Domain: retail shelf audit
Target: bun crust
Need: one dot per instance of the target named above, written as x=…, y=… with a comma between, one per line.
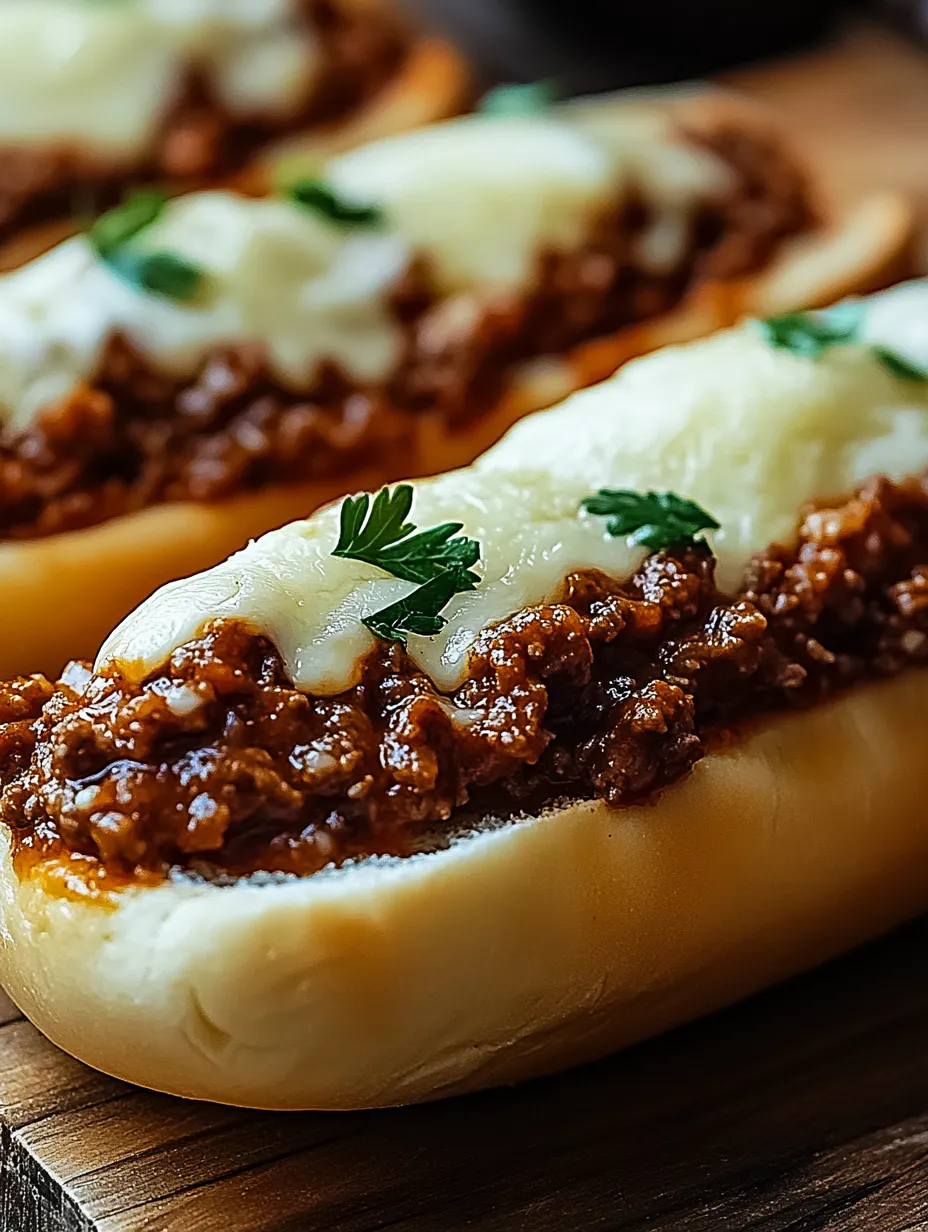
x=516, y=951
x=64, y=593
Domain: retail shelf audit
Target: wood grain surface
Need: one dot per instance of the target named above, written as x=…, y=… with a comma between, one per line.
x=803, y=1110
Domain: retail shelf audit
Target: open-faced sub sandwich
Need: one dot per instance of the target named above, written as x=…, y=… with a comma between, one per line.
x=497, y=772
x=195, y=371
x=98, y=94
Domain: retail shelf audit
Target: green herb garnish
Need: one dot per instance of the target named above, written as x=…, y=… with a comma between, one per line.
x=419, y=612
x=810, y=334
x=377, y=533
x=158, y=273
x=322, y=199
x=654, y=519
x=528, y=99
x=899, y=366
x=114, y=229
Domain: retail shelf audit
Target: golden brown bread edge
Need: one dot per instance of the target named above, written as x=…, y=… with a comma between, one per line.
x=63, y=594
x=433, y=84
x=517, y=951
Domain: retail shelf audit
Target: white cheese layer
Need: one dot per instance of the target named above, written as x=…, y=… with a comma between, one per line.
x=481, y=196
x=276, y=275
x=102, y=73
x=750, y=432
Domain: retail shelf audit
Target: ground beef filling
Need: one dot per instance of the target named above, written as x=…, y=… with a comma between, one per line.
x=134, y=437
x=216, y=763
x=198, y=141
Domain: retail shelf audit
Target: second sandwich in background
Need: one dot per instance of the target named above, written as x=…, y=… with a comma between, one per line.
x=193, y=372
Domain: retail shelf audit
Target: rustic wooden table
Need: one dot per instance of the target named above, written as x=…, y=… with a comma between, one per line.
x=803, y=1110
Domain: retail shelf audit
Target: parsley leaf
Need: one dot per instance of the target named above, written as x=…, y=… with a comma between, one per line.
x=528, y=99
x=158, y=273
x=377, y=533
x=654, y=519
x=322, y=199
x=899, y=366
x=810, y=334
x=114, y=229
x=419, y=612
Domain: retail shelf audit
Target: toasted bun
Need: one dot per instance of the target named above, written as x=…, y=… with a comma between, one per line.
x=432, y=85
x=518, y=950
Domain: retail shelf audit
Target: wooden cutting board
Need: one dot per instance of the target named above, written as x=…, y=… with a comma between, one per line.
x=803, y=1110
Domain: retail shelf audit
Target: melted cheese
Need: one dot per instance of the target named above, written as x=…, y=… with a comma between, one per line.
x=276, y=275
x=101, y=73
x=481, y=195
x=748, y=431
x=648, y=154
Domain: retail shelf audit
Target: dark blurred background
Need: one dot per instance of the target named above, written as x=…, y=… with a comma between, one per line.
x=598, y=44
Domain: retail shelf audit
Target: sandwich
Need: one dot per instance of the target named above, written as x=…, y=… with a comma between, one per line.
x=479, y=777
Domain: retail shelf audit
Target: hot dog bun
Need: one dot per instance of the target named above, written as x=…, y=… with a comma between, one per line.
x=507, y=948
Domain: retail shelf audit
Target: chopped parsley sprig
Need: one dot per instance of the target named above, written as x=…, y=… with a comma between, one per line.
x=654, y=519
x=525, y=99
x=114, y=229
x=419, y=612
x=158, y=273
x=377, y=533
x=811, y=334
x=898, y=365
x=322, y=199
